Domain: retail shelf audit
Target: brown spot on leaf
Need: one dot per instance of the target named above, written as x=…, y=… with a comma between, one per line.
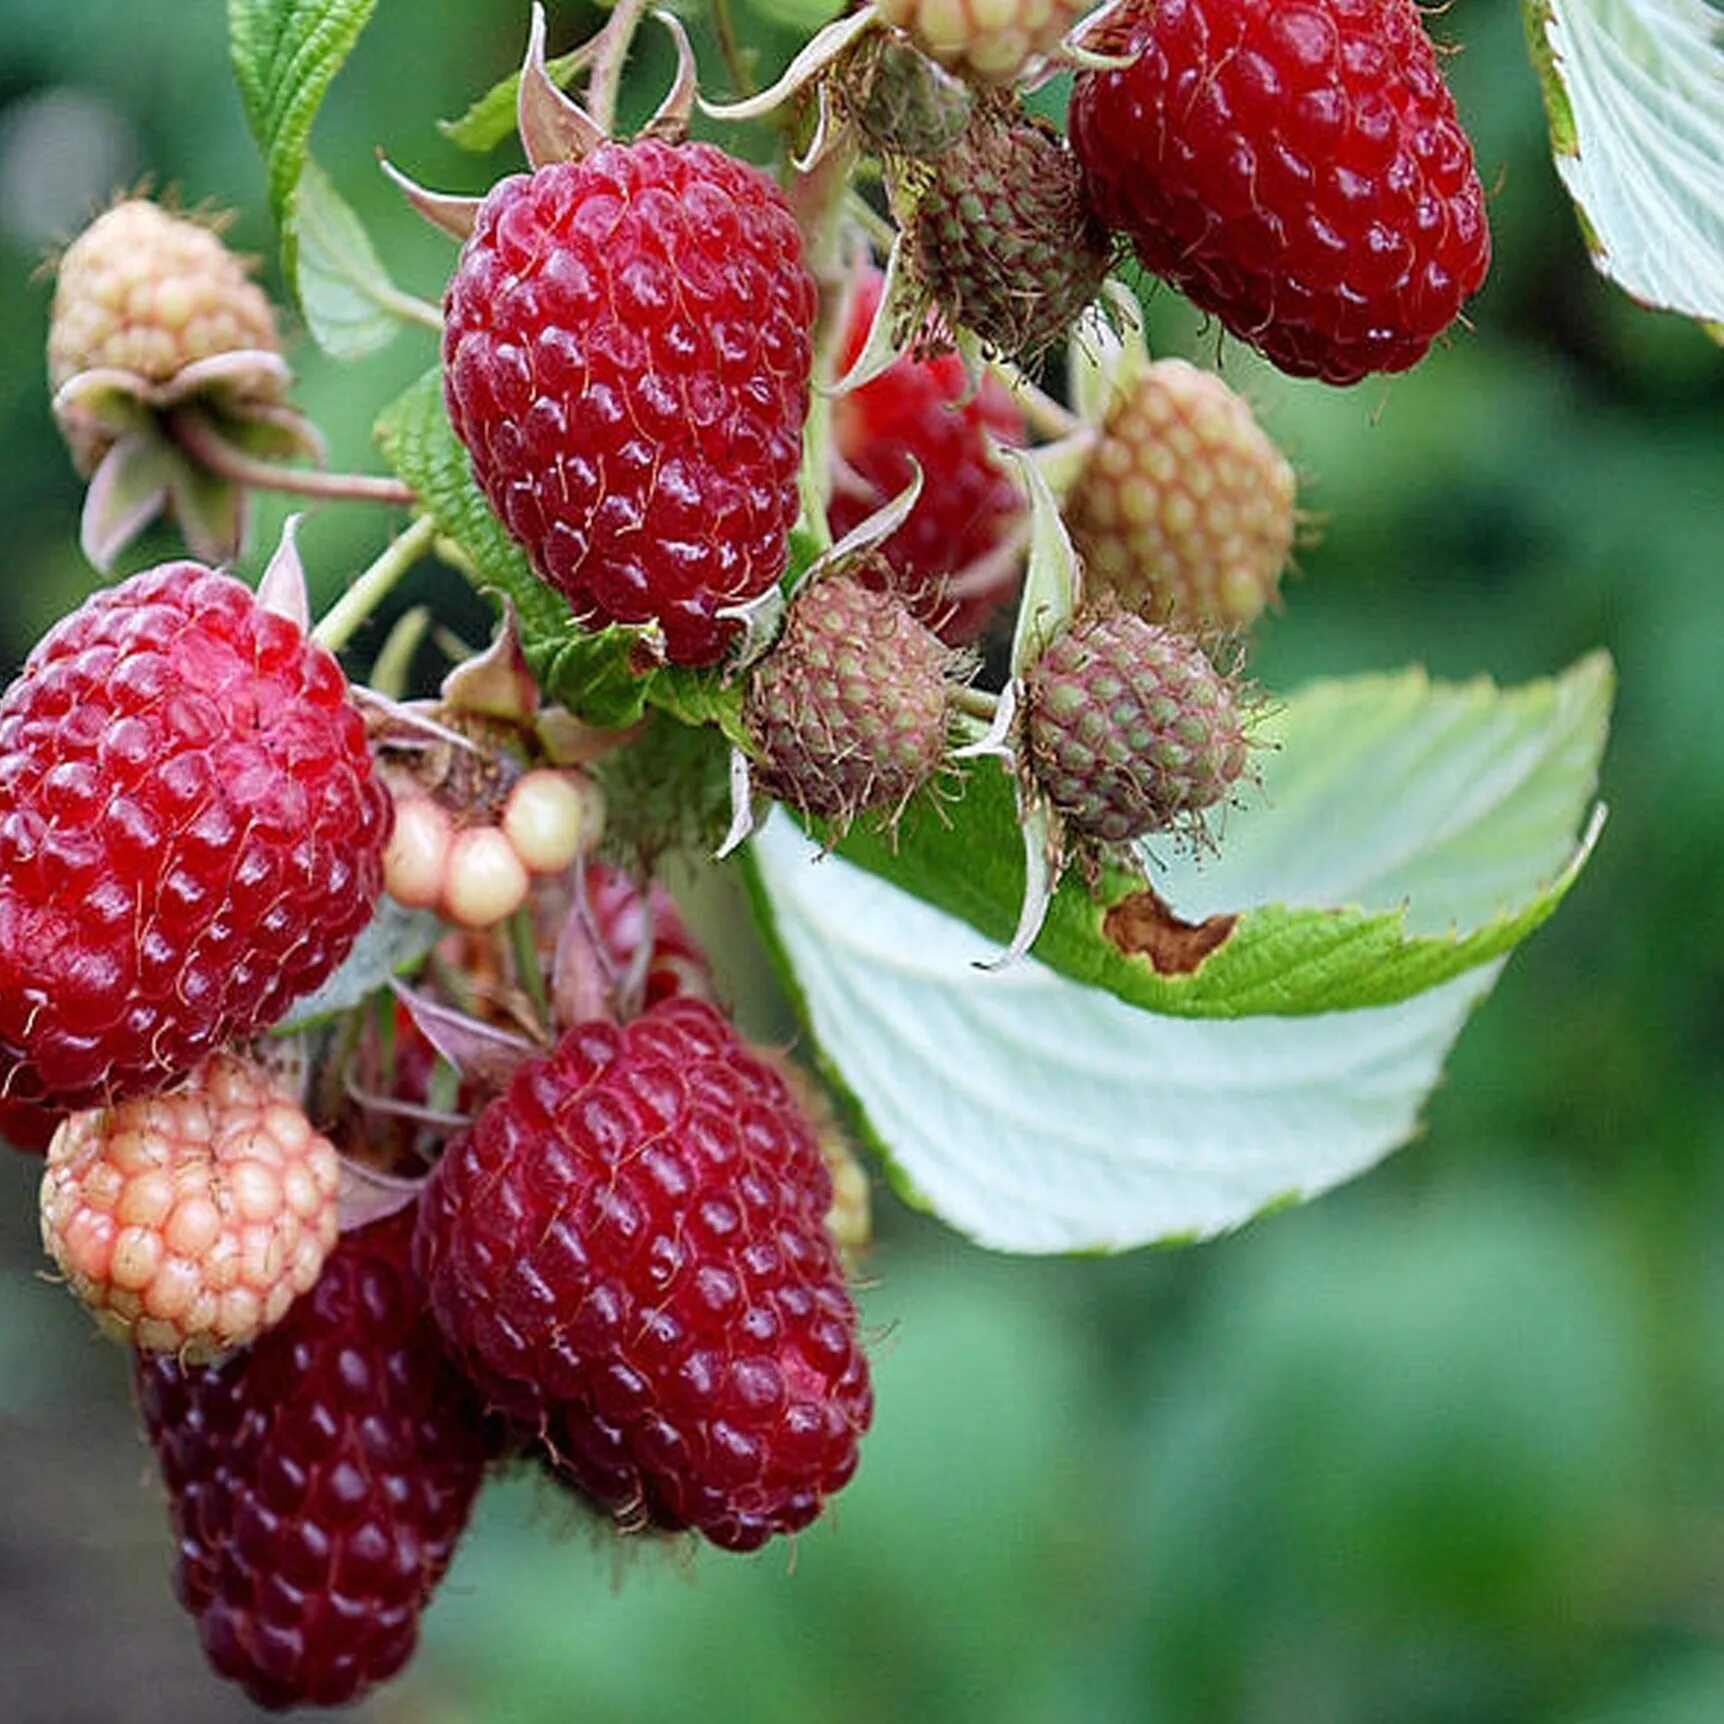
x=1143, y=926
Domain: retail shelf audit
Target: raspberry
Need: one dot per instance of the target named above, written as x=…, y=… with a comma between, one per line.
x=1002, y=235
x=317, y=1481
x=952, y=558
x=985, y=40
x=627, y=1254
x=1184, y=508
x=849, y=709
x=191, y=836
x=149, y=293
x=1131, y=729
x=189, y=1222
x=627, y=350
x=1296, y=168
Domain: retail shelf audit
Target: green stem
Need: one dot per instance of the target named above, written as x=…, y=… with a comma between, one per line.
x=976, y=702
x=214, y=453
x=524, y=945
x=344, y=617
x=409, y=308
x=612, y=49
x=730, y=47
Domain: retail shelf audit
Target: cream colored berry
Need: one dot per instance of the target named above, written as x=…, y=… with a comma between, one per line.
x=485, y=882
x=417, y=857
x=1185, y=509
x=190, y=1221
x=148, y=292
x=551, y=818
x=986, y=41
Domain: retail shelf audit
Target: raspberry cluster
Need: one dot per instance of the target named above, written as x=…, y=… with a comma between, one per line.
x=379, y=1201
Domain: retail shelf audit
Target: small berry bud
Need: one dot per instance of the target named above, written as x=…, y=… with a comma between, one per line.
x=849, y=710
x=1131, y=729
x=486, y=882
x=550, y=819
x=417, y=859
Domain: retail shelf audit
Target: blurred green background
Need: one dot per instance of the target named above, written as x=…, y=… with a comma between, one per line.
x=1448, y=1445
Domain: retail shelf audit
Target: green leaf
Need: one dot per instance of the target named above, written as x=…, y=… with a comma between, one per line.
x=1037, y=1115
x=394, y=940
x=1403, y=833
x=1634, y=90
x=285, y=54
x=420, y=444
x=351, y=306
x=701, y=697
x=492, y=118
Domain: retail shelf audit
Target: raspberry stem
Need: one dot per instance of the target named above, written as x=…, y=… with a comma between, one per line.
x=1041, y=411
x=612, y=46
x=730, y=48
x=529, y=968
x=977, y=702
x=213, y=452
x=344, y=617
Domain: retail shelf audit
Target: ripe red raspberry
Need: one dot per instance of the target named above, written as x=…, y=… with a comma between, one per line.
x=627, y=349
x=953, y=567
x=1295, y=167
x=627, y=1254
x=318, y=1480
x=27, y=1127
x=191, y=836
x=189, y=1222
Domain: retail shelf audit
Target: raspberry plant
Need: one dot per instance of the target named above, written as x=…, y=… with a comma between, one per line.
x=743, y=435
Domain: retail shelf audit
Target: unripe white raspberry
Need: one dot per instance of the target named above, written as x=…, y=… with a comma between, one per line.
x=1184, y=509
x=986, y=41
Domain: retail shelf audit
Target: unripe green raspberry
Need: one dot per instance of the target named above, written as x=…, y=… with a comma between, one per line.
x=986, y=41
x=149, y=293
x=1131, y=729
x=189, y=1222
x=1002, y=236
x=849, y=710
x=1184, y=509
